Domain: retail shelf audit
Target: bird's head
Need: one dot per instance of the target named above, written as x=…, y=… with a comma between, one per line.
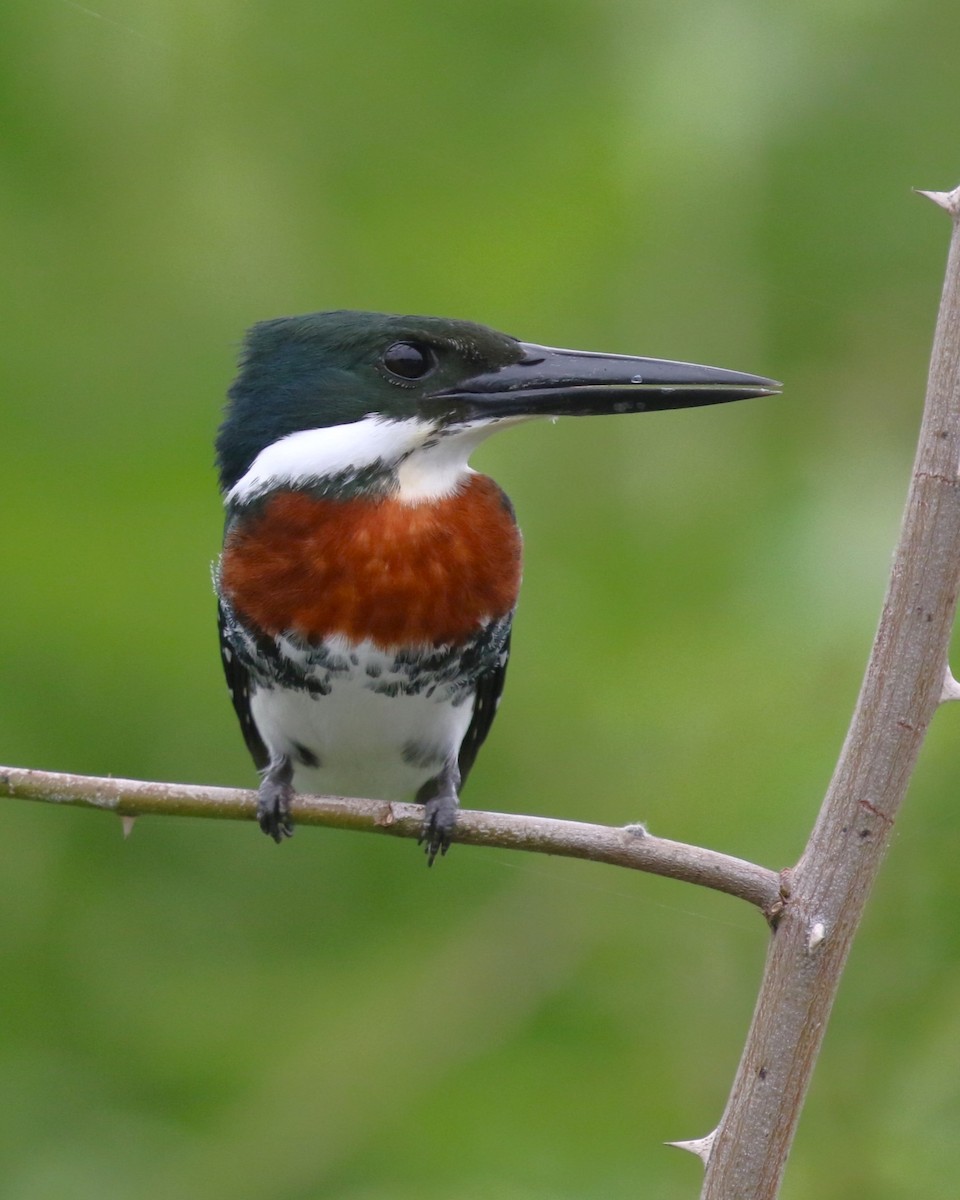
x=356, y=402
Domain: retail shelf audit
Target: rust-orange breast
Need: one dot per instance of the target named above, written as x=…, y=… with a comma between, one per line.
x=377, y=569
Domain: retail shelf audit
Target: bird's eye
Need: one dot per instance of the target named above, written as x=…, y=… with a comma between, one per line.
x=409, y=360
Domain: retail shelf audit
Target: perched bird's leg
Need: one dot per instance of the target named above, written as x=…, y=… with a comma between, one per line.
x=440, y=798
x=273, y=799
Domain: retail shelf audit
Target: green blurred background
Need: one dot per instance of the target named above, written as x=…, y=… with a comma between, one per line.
x=198, y=1013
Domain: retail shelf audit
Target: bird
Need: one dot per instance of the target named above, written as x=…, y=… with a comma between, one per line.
x=368, y=577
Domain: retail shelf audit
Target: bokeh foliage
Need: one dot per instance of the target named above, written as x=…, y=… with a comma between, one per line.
x=197, y=1013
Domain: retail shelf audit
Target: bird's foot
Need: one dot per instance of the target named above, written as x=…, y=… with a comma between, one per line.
x=439, y=819
x=273, y=801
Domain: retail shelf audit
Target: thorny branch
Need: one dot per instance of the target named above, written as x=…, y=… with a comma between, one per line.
x=907, y=677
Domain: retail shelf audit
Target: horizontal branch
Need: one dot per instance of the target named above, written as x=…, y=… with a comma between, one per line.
x=627, y=846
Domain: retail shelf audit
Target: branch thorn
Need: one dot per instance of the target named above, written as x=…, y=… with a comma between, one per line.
x=948, y=201
x=701, y=1147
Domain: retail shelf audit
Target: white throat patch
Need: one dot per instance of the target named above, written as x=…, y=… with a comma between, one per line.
x=428, y=463
x=316, y=454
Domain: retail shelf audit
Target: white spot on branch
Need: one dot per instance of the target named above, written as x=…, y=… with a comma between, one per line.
x=951, y=689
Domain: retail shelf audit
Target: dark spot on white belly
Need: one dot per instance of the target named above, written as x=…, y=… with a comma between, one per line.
x=421, y=754
x=305, y=755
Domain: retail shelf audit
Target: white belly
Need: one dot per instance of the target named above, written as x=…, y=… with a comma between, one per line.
x=366, y=743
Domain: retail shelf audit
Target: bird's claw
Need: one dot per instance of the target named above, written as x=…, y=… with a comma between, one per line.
x=439, y=818
x=273, y=809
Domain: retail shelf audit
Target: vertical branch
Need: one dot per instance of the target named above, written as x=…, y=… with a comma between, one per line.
x=906, y=678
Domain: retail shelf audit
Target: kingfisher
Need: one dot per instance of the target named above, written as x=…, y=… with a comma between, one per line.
x=369, y=576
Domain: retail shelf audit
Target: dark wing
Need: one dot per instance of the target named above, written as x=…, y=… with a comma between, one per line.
x=238, y=681
x=489, y=690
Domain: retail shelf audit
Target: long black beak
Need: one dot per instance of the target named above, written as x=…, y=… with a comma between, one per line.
x=573, y=383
